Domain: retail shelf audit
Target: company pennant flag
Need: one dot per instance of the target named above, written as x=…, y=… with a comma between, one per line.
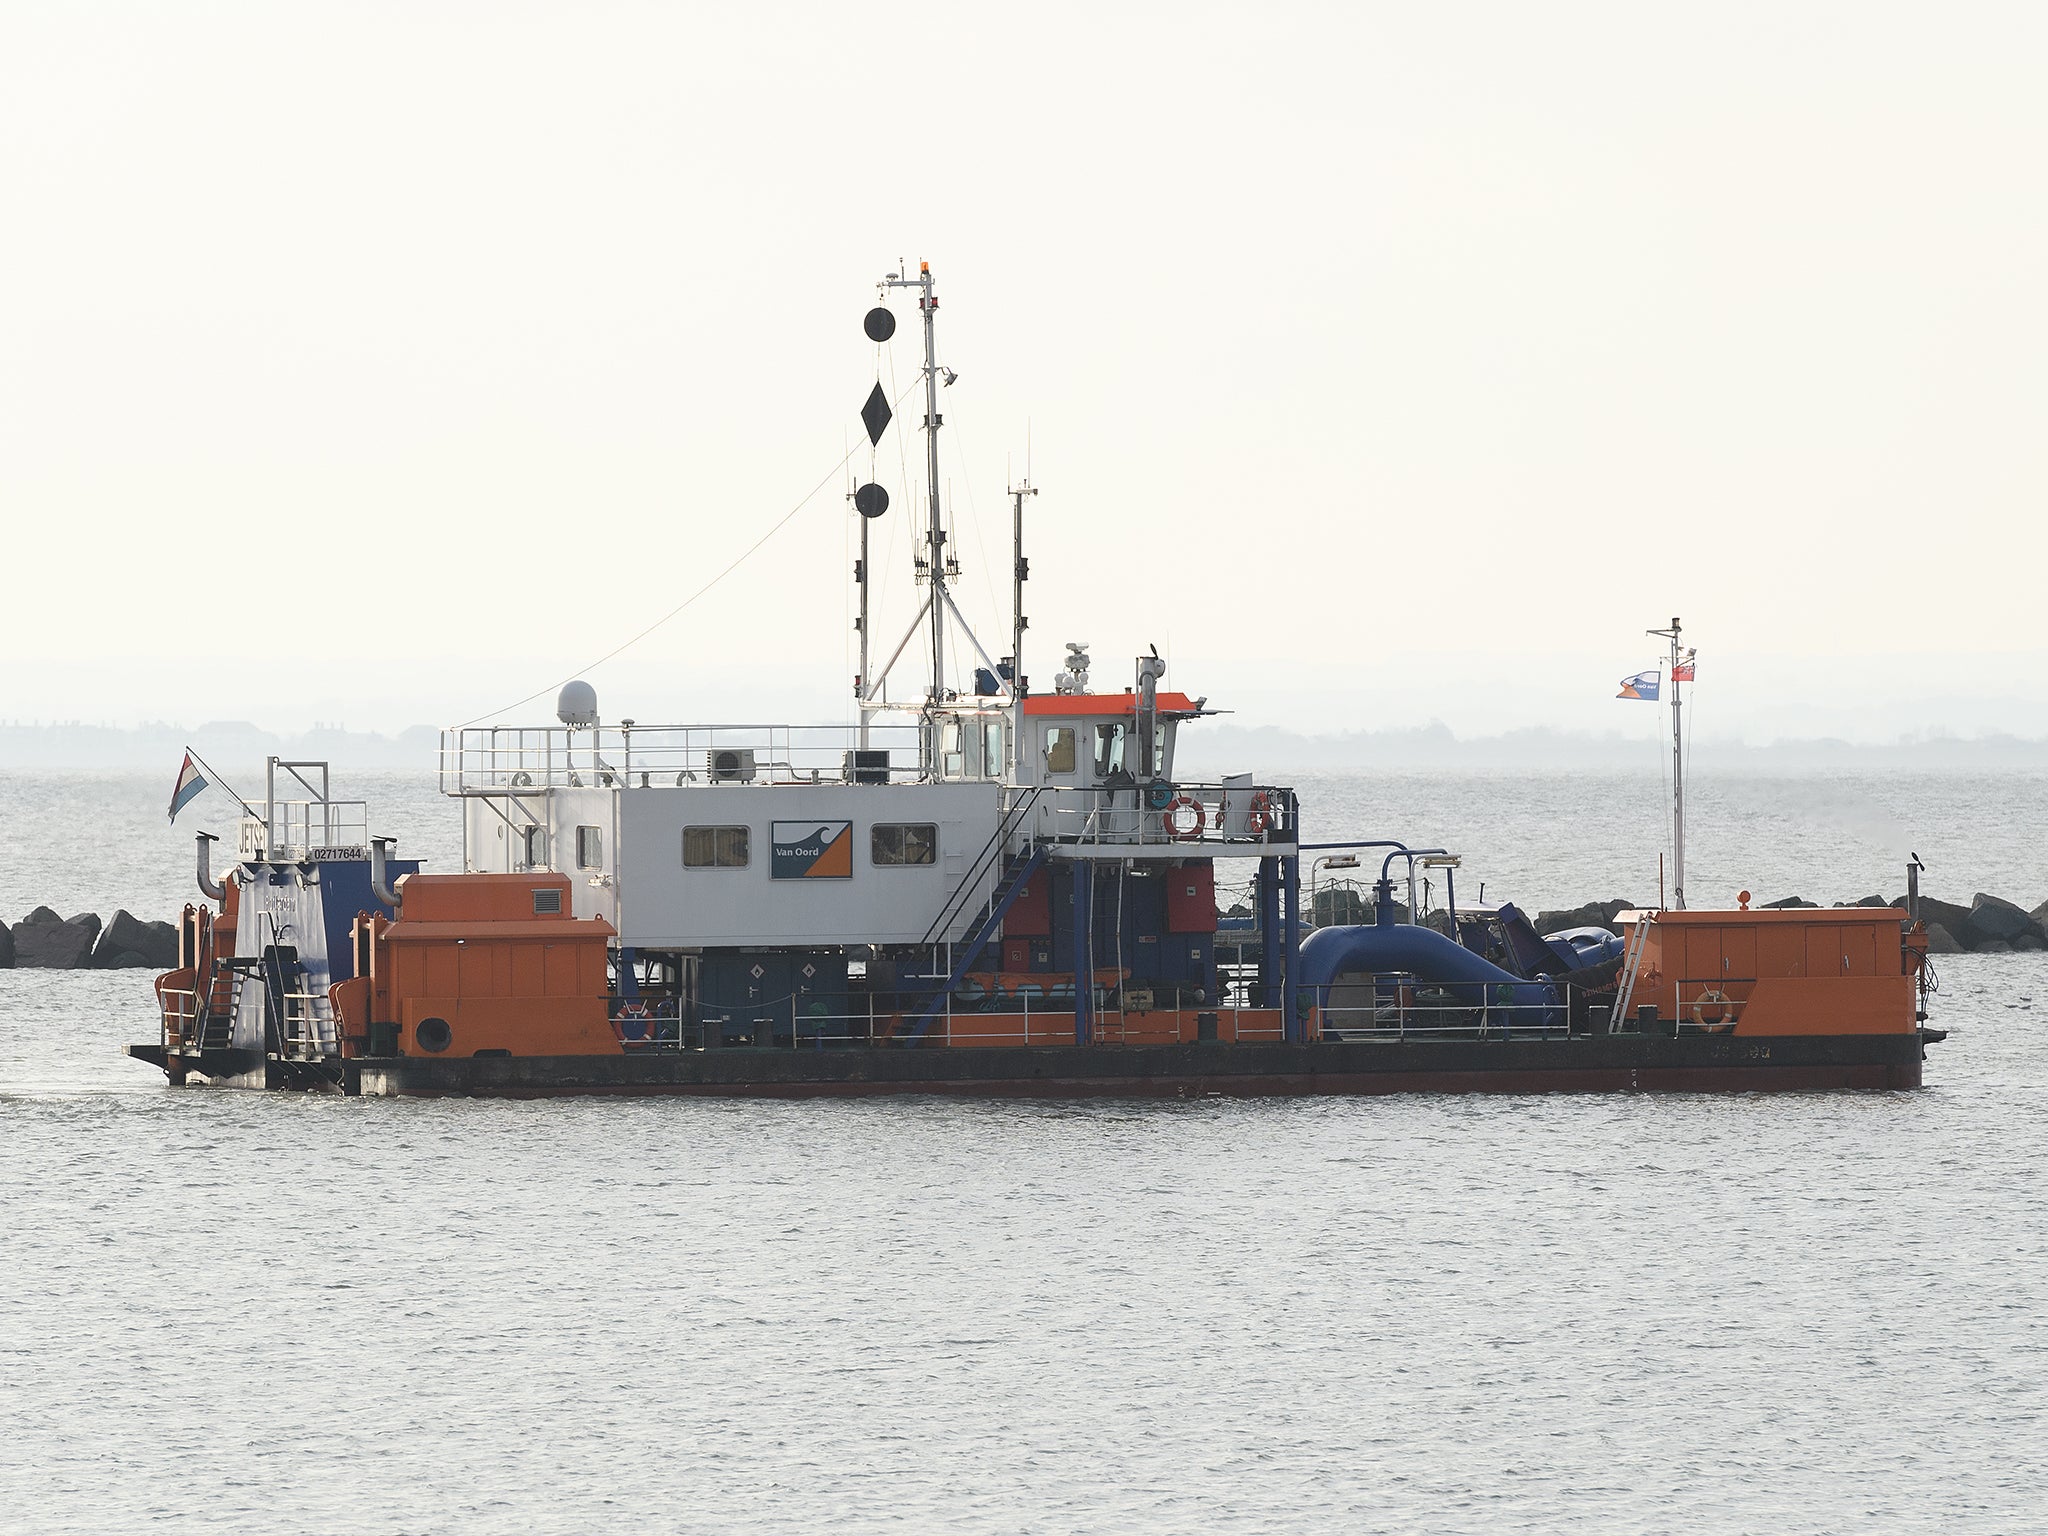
x=190, y=782
x=1682, y=673
x=1642, y=686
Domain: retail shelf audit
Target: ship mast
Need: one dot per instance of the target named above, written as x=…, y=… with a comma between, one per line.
x=935, y=568
x=935, y=533
x=1677, y=770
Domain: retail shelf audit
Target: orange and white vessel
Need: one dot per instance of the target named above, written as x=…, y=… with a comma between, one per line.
x=972, y=887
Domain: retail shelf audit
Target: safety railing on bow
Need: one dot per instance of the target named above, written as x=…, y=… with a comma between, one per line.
x=182, y=1017
x=307, y=1026
x=307, y=828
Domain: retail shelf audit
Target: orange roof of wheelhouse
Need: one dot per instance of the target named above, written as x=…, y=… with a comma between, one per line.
x=1104, y=704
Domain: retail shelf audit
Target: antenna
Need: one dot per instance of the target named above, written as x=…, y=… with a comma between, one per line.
x=1020, y=572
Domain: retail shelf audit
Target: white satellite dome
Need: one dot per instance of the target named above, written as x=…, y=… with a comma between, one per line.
x=577, y=704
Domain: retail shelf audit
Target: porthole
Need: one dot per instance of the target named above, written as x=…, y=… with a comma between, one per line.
x=433, y=1035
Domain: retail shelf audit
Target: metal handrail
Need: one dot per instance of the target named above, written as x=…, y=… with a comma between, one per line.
x=672, y=1031
x=180, y=1023
x=340, y=824
x=1729, y=1008
x=992, y=852
x=1097, y=821
x=496, y=759
x=307, y=1014
x=1486, y=1020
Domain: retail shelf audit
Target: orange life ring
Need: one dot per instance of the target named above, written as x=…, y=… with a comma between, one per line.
x=1722, y=1005
x=638, y=1013
x=1170, y=818
x=1260, y=816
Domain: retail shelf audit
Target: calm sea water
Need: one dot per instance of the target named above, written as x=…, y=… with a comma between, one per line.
x=1812, y=1313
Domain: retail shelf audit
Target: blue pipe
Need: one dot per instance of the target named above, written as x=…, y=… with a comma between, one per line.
x=1328, y=953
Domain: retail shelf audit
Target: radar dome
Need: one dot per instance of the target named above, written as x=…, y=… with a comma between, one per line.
x=577, y=705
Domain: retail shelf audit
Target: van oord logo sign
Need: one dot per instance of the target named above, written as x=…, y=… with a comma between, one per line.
x=811, y=850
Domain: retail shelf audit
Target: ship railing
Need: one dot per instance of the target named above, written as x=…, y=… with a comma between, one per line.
x=1028, y=1016
x=1397, y=1011
x=306, y=829
x=1248, y=817
x=1711, y=1004
x=181, y=1016
x=307, y=1026
x=508, y=759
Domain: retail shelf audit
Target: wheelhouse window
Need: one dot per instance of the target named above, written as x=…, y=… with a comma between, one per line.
x=1109, y=749
x=1059, y=749
x=589, y=848
x=716, y=847
x=914, y=842
x=535, y=840
x=992, y=749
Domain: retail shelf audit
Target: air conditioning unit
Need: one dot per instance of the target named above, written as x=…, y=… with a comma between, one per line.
x=867, y=765
x=730, y=765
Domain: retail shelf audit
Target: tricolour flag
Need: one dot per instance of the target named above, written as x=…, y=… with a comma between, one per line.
x=1642, y=686
x=190, y=782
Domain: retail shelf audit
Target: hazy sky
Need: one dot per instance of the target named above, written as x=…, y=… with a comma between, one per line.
x=1381, y=363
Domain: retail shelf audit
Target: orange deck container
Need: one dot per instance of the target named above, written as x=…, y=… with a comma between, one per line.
x=1790, y=971
x=481, y=965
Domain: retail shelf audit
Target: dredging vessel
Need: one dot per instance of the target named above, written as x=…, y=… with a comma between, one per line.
x=1001, y=892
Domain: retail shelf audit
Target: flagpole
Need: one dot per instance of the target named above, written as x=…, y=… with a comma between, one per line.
x=221, y=779
x=1677, y=772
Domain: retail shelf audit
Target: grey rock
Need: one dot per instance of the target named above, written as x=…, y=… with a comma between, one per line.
x=1787, y=903
x=1339, y=906
x=1941, y=942
x=2029, y=942
x=127, y=960
x=65, y=945
x=2040, y=915
x=40, y=916
x=1872, y=901
x=1952, y=917
x=1594, y=914
x=1993, y=917
x=156, y=943
x=6, y=948
x=1993, y=947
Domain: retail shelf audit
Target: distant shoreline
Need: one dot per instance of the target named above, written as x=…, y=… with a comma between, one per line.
x=1208, y=748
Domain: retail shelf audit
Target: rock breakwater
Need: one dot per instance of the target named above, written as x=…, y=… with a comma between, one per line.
x=46, y=940
x=1988, y=925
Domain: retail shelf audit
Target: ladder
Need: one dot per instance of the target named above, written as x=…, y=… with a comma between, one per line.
x=1631, y=966
x=217, y=1030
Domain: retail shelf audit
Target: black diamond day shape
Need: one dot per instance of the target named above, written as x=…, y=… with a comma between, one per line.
x=875, y=415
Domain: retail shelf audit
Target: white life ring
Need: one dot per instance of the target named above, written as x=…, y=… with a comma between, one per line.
x=1184, y=818
x=1722, y=1005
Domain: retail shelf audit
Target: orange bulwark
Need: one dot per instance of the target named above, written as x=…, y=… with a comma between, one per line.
x=1788, y=971
x=479, y=965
